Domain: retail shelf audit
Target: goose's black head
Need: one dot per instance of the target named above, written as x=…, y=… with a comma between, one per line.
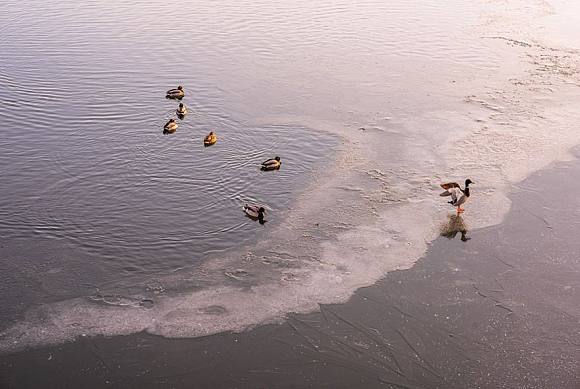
x=467, y=182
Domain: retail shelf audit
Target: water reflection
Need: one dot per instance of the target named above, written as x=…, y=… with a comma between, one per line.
x=455, y=225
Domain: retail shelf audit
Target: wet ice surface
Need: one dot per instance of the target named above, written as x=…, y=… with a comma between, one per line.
x=496, y=309
x=424, y=93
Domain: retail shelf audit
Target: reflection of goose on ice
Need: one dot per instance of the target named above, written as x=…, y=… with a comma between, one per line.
x=455, y=225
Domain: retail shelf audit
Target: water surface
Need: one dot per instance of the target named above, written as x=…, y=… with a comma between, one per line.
x=109, y=226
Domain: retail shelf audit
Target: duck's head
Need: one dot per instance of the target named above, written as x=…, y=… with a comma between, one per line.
x=211, y=133
x=262, y=211
x=277, y=158
x=180, y=87
x=180, y=105
x=467, y=182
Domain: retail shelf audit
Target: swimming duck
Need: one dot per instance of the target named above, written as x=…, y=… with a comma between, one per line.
x=255, y=211
x=175, y=93
x=210, y=139
x=170, y=126
x=458, y=196
x=271, y=164
x=181, y=110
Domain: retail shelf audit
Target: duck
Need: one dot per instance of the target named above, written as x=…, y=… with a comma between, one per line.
x=271, y=164
x=210, y=139
x=170, y=126
x=255, y=211
x=458, y=196
x=181, y=110
x=177, y=93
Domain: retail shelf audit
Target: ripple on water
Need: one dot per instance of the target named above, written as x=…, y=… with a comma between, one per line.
x=142, y=200
x=82, y=102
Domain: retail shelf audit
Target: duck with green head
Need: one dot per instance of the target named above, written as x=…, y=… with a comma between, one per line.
x=458, y=196
x=271, y=164
x=170, y=126
x=181, y=110
x=255, y=212
x=176, y=93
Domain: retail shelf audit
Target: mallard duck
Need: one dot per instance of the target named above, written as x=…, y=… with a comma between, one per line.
x=176, y=93
x=271, y=164
x=210, y=139
x=255, y=211
x=458, y=195
x=170, y=126
x=181, y=110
